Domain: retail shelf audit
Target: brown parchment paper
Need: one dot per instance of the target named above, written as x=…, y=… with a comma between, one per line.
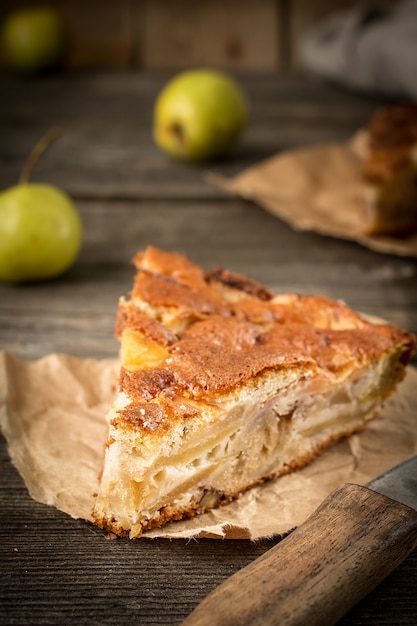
x=52, y=414
x=316, y=188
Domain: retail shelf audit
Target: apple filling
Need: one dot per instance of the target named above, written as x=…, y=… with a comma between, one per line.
x=250, y=438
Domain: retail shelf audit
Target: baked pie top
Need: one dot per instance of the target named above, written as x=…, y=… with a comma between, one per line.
x=188, y=336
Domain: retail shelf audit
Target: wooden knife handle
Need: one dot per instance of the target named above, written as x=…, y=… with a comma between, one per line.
x=321, y=570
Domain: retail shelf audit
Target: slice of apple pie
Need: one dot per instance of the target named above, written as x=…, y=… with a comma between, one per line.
x=390, y=171
x=224, y=385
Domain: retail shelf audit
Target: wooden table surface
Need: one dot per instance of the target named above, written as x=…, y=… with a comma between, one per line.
x=55, y=569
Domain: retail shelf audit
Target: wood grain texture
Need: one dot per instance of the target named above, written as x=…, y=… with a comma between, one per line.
x=75, y=314
x=106, y=149
x=59, y=570
x=233, y=34
x=101, y=33
x=322, y=569
x=156, y=34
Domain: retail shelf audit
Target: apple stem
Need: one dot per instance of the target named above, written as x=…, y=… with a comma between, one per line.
x=37, y=152
x=178, y=132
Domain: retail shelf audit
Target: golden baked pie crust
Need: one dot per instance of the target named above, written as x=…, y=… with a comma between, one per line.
x=224, y=385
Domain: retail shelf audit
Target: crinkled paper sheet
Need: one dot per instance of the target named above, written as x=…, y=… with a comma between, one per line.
x=52, y=414
x=316, y=188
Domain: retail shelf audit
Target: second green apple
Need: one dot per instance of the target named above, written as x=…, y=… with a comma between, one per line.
x=200, y=115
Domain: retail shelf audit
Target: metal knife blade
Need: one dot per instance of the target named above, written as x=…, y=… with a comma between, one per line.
x=398, y=483
x=314, y=576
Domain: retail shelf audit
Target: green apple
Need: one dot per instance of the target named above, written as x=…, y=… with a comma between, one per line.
x=40, y=232
x=33, y=39
x=40, y=228
x=200, y=114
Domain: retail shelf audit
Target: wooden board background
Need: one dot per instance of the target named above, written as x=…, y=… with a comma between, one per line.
x=57, y=570
x=169, y=34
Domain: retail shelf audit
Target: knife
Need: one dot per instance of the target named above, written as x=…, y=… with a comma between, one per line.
x=314, y=576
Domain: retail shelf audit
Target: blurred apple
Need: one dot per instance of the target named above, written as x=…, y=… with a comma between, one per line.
x=33, y=39
x=200, y=114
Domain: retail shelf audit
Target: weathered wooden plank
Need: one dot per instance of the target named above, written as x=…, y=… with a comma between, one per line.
x=149, y=34
x=233, y=34
x=76, y=313
x=107, y=150
x=101, y=34
x=155, y=34
x=108, y=96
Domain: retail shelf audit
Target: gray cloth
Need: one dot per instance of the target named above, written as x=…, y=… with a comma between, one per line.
x=371, y=48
